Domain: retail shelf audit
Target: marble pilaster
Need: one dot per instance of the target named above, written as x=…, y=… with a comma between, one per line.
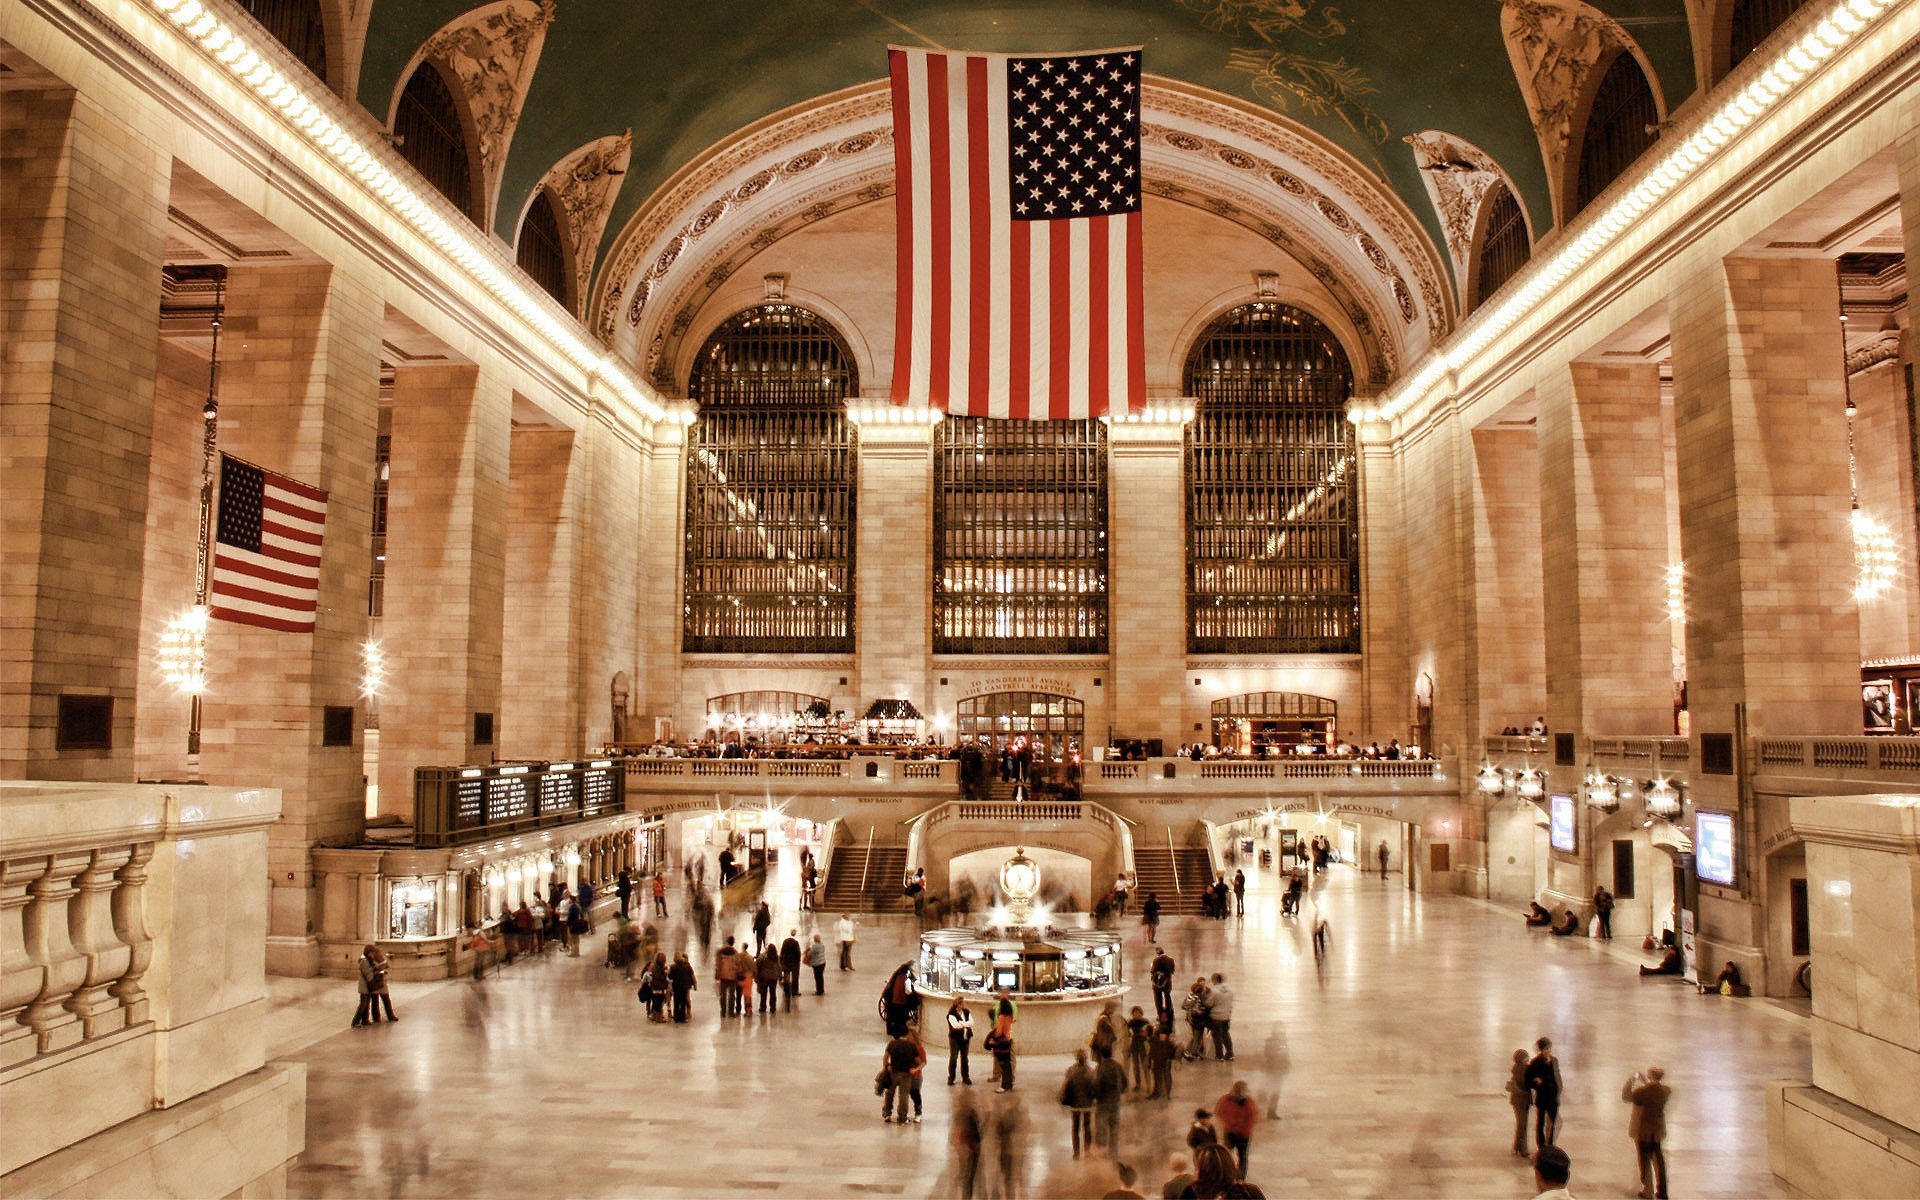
x=83, y=204
x=446, y=546
x=894, y=566
x=299, y=394
x=1147, y=585
x=541, y=694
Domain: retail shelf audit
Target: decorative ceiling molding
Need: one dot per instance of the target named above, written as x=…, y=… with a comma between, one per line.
x=1458, y=175
x=492, y=52
x=584, y=186
x=808, y=163
x=1554, y=46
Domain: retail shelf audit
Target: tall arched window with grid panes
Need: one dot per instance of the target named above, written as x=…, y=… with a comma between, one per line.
x=1020, y=537
x=1273, y=561
x=1623, y=121
x=428, y=134
x=771, y=482
x=298, y=25
x=542, y=252
x=1505, y=247
x=1752, y=21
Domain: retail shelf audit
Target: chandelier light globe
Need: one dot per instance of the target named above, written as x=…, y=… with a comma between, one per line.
x=1663, y=799
x=183, y=651
x=1532, y=785
x=373, y=669
x=1490, y=780
x=1875, y=556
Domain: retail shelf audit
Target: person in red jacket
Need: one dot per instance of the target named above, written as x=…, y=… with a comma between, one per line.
x=1236, y=1114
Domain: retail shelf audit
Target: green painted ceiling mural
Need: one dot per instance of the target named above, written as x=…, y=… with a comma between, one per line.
x=686, y=73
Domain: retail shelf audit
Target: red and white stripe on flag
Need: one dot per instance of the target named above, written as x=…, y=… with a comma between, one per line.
x=1001, y=314
x=266, y=563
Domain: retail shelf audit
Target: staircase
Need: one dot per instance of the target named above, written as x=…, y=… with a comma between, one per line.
x=883, y=877
x=1154, y=867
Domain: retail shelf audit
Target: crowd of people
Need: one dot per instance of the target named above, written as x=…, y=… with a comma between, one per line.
x=1130, y=1056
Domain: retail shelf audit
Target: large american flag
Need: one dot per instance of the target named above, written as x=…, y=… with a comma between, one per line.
x=266, y=562
x=1018, y=202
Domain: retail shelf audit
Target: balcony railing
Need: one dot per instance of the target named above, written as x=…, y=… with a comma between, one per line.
x=100, y=965
x=1872, y=755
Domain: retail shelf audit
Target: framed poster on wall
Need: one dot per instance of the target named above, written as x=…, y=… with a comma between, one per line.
x=1877, y=705
x=1913, y=704
x=1713, y=847
x=1560, y=824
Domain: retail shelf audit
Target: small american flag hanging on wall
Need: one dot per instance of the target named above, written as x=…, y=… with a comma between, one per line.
x=266, y=563
x=1018, y=203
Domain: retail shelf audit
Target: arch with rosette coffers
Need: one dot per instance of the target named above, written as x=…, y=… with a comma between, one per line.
x=1247, y=164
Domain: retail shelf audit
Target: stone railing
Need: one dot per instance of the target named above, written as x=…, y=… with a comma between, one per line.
x=1120, y=770
x=1670, y=752
x=1016, y=813
x=1847, y=756
x=119, y=995
x=1498, y=746
x=1314, y=768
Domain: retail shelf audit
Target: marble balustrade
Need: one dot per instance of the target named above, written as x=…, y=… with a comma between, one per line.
x=132, y=962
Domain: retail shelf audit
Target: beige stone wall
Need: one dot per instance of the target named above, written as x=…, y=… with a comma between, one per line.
x=298, y=394
x=172, y=537
x=610, y=580
x=446, y=545
x=657, y=614
x=1603, y=520
x=1760, y=417
x=893, y=565
x=1883, y=441
x=541, y=692
x=82, y=208
x=1146, y=600
x=1508, y=681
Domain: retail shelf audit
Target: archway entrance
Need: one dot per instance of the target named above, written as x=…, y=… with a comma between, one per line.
x=1053, y=724
x=1263, y=723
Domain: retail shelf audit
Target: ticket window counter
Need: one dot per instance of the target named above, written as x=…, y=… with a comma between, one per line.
x=954, y=961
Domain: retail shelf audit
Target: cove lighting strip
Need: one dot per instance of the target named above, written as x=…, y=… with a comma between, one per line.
x=230, y=49
x=1835, y=32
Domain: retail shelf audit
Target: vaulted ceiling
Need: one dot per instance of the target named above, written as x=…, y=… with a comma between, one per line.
x=1363, y=74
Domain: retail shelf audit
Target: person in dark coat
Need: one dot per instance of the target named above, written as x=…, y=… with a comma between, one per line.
x=790, y=967
x=1543, y=1083
x=766, y=979
x=898, y=1000
x=680, y=979
x=1077, y=1095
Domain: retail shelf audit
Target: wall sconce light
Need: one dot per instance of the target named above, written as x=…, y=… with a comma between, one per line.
x=1491, y=780
x=1602, y=792
x=1665, y=798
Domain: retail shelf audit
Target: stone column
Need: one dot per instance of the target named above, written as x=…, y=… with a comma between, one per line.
x=893, y=562
x=1509, y=679
x=83, y=209
x=1762, y=449
x=446, y=524
x=1507, y=684
x=540, y=696
x=1856, y=1130
x=1604, y=550
x=299, y=395
x=1773, y=638
x=657, y=615
x=1383, y=583
x=1433, y=550
x=610, y=553
x=1147, y=579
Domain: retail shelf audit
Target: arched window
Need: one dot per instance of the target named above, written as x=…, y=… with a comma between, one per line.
x=426, y=128
x=1262, y=723
x=1752, y=21
x=1505, y=247
x=541, y=253
x=1623, y=122
x=1020, y=537
x=770, y=488
x=297, y=25
x=1273, y=562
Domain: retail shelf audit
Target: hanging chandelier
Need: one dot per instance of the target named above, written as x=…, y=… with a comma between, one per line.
x=1874, y=556
x=1663, y=799
x=182, y=651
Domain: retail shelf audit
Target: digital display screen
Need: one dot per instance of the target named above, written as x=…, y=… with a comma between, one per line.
x=1560, y=823
x=1713, y=847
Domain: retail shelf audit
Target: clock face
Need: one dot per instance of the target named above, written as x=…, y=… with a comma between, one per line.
x=1020, y=877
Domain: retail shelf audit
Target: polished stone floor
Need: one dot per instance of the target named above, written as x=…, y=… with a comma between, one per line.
x=1388, y=1059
